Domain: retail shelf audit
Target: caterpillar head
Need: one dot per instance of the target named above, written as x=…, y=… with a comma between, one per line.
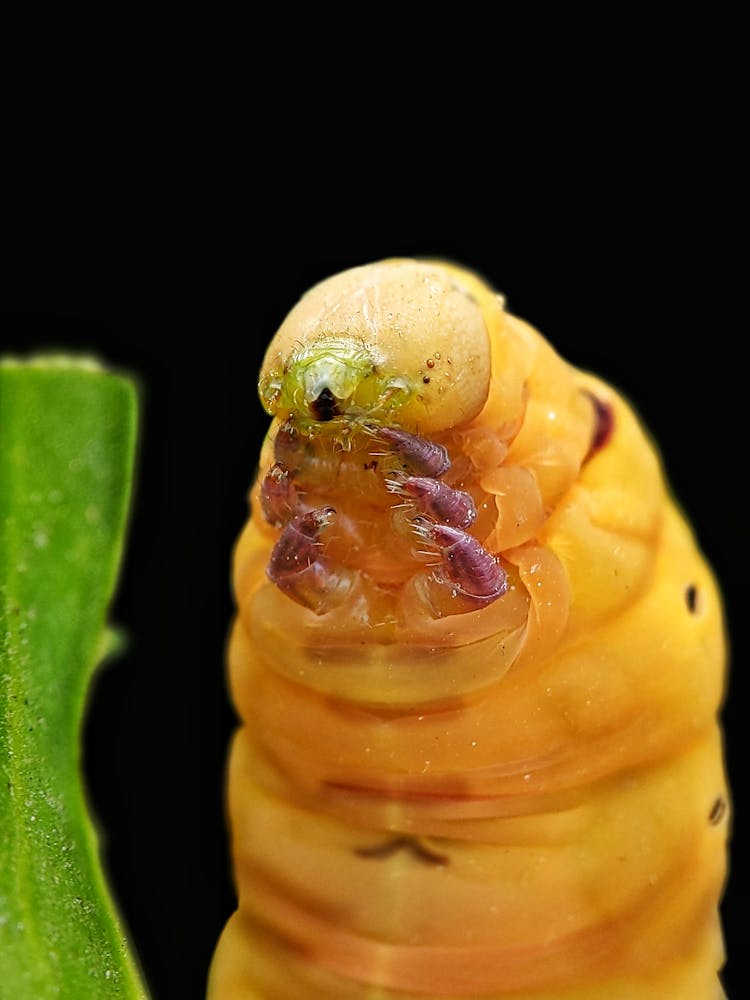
x=399, y=341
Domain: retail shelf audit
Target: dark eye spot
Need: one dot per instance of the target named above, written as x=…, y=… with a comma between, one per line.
x=718, y=811
x=325, y=407
x=426, y=380
x=691, y=598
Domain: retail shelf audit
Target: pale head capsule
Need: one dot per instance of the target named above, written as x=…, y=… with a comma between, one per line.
x=398, y=337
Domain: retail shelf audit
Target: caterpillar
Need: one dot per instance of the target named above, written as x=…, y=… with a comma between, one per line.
x=478, y=659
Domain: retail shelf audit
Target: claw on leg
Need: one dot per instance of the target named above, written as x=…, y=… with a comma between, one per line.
x=279, y=499
x=299, y=567
x=419, y=456
x=435, y=498
x=467, y=576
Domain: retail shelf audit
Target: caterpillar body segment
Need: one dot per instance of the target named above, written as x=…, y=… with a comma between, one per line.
x=478, y=658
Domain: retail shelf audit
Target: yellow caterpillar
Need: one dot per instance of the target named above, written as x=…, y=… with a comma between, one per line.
x=478, y=659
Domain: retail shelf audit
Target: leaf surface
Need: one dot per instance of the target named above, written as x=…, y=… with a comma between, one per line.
x=67, y=443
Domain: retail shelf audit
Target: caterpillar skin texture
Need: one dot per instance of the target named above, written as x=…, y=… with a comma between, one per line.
x=479, y=753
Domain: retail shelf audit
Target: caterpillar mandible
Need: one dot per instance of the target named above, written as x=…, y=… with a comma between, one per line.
x=478, y=658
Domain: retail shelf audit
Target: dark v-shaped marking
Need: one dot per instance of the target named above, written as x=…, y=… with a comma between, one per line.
x=414, y=846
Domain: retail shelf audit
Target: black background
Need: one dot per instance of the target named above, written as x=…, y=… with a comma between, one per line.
x=176, y=259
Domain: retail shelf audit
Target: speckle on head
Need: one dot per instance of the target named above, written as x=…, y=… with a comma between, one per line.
x=691, y=598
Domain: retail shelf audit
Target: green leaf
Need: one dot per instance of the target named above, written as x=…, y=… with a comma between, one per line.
x=67, y=441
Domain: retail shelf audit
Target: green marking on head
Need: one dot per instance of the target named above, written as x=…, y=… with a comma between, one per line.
x=333, y=377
